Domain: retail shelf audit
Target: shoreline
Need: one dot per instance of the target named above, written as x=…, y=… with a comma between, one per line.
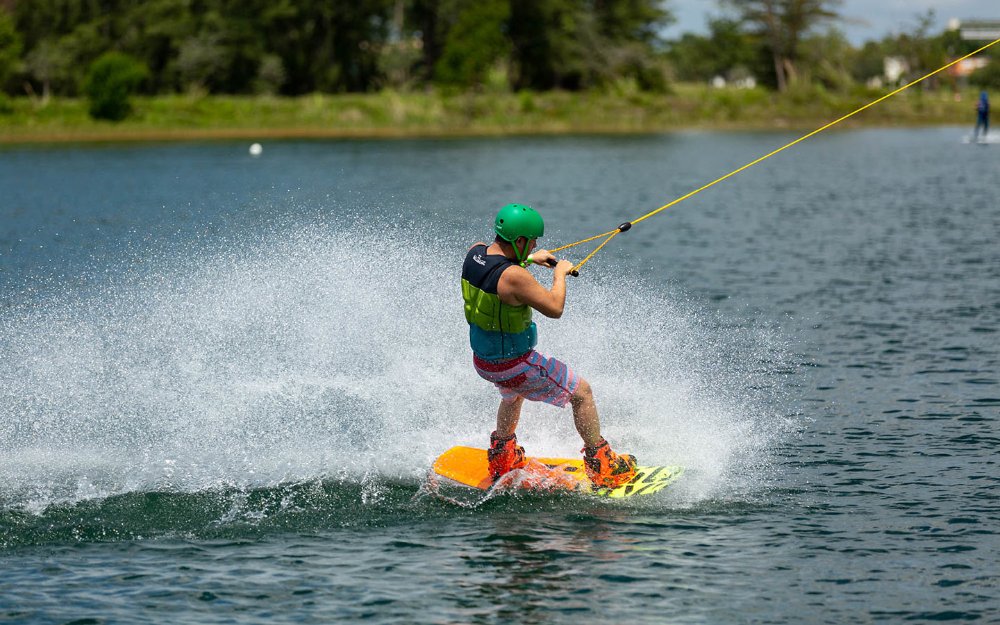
x=392, y=115
x=319, y=134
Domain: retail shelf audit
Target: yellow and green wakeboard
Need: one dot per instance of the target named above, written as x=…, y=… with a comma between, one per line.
x=468, y=465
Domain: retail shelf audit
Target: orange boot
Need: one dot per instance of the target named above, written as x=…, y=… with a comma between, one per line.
x=504, y=455
x=605, y=468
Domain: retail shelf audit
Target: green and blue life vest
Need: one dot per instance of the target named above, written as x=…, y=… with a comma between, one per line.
x=497, y=331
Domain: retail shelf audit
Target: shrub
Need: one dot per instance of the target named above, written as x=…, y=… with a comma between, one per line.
x=112, y=78
x=987, y=77
x=10, y=48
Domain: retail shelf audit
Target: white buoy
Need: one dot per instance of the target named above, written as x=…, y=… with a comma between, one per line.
x=256, y=149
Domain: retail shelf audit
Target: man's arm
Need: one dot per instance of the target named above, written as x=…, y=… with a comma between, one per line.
x=517, y=286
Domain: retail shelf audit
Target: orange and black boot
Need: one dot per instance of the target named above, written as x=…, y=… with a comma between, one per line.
x=605, y=468
x=504, y=455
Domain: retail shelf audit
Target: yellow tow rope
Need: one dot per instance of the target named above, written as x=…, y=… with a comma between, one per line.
x=628, y=224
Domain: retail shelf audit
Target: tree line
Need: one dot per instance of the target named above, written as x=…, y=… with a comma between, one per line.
x=789, y=43
x=292, y=47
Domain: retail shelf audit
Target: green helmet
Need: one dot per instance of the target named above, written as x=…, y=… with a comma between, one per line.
x=518, y=220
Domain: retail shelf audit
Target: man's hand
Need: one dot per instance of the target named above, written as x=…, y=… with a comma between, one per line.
x=563, y=267
x=543, y=257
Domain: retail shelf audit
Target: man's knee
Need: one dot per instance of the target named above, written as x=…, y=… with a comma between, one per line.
x=583, y=391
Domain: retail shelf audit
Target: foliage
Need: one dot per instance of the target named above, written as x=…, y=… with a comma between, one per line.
x=112, y=78
x=222, y=46
x=869, y=61
x=474, y=43
x=727, y=48
x=782, y=24
x=436, y=112
x=296, y=47
x=922, y=52
x=303, y=46
x=987, y=77
x=827, y=60
x=574, y=44
x=51, y=64
x=10, y=48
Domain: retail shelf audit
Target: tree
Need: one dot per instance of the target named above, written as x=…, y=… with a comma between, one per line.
x=987, y=77
x=10, y=48
x=49, y=63
x=923, y=51
x=869, y=62
x=475, y=42
x=782, y=24
x=110, y=81
x=828, y=59
x=574, y=44
x=302, y=46
x=202, y=63
x=324, y=46
x=726, y=49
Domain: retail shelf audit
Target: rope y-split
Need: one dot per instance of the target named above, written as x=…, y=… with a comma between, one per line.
x=628, y=224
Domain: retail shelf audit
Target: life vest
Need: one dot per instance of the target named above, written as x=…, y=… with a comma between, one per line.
x=497, y=331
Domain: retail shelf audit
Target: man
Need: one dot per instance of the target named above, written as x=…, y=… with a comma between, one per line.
x=982, y=116
x=499, y=296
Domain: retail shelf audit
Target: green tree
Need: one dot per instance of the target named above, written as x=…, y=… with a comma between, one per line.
x=270, y=75
x=49, y=63
x=923, y=51
x=574, y=44
x=475, y=43
x=112, y=78
x=156, y=33
x=224, y=46
x=10, y=48
x=327, y=46
x=782, y=24
x=828, y=59
x=202, y=63
x=727, y=50
x=301, y=46
x=61, y=36
x=423, y=21
x=987, y=77
x=869, y=61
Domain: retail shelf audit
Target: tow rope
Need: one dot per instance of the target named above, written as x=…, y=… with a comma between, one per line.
x=628, y=224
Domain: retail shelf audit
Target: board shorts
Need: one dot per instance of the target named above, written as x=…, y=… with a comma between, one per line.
x=533, y=376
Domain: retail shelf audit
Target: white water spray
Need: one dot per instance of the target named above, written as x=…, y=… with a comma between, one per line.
x=314, y=355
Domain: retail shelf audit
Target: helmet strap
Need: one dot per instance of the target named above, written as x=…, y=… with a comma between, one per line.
x=521, y=253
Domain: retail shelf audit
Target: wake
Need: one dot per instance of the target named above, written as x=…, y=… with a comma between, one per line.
x=295, y=359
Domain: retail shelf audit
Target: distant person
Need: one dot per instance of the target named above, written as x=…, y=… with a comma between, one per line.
x=499, y=296
x=982, y=116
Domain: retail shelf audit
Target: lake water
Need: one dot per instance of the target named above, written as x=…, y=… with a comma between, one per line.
x=223, y=380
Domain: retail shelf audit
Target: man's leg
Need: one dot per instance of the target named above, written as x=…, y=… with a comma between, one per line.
x=505, y=454
x=603, y=466
x=585, y=414
x=508, y=415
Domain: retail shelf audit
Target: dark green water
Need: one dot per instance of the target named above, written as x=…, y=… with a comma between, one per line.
x=223, y=381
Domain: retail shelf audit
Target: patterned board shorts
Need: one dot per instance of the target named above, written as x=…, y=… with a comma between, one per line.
x=533, y=376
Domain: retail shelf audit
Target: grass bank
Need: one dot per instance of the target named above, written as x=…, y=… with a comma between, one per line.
x=394, y=114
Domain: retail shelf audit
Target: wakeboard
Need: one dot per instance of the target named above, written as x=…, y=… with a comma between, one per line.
x=468, y=466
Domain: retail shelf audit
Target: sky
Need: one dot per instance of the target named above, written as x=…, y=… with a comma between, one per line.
x=866, y=19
